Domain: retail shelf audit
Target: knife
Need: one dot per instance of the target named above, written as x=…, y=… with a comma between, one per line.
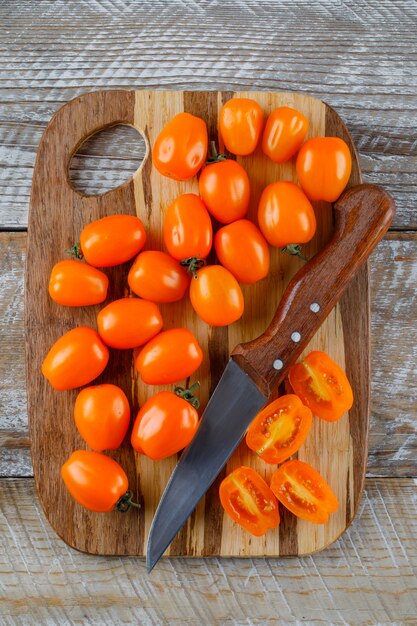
x=361, y=218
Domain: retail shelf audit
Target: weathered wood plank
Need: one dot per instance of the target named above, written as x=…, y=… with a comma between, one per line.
x=359, y=57
x=369, y=576
x=393, y=436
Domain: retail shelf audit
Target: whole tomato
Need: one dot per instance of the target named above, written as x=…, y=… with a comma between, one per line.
x=180, y=149
x=216, y=296
x=111, y=240
x=74, y=283
x=285, y=215
x=77, y=358
x=241, y=123
x=156, y=276
x=102, y=416
x=165, y=424
x=129, y=323
x=241, y=248
x=323, y=168
x=284, y=133
x=97, y=482
x=225, y=190
x=188, y=233
x=171, y=356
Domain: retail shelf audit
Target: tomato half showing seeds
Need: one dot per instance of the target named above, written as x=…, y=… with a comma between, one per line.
x=225, y=190
x=158, y=277
x=188, y=232
x=164, y=425
x=249, y=501
x=241, y=123
x=216, y=296
x=180, y=149
x=129, y=323
x=102, y=416
x=242, y=249
x=97, y=482
x=74, y=283
x=322, y=386
x=77, y=358
x=285, y=215
x=112, y=240
x=323, y=168
x=302, y=490
x=280, y=429
x=284, y=133
x=171, y=356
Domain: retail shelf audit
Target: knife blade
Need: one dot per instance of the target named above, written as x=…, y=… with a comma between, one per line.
x=216, y=439
x=361, y=216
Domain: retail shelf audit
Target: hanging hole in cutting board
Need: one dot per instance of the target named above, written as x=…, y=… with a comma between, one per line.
x=107, y=159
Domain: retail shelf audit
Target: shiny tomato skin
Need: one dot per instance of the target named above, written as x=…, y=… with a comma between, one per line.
x=249, y=501
x=280, y=429
x=225, y=190
x=112, y=240
x=102, y=416
x=285, y=215
x=241, y=123
x=216, y=296
x=75, y=359
x=129, y=323
x=284, y=133
x=322, y=386
x=94, y=480
x=302, y=490
x=323, y=168
x=180, y=149
x=188, y=231
x=164, y=426
x=157, y=277
x=170, y=357
x=242, y=249
x=74, y=283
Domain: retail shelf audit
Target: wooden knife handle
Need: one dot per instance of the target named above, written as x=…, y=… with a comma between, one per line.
x=362, y=216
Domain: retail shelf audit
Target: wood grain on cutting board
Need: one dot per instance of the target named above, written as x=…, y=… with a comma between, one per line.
x=57, y=215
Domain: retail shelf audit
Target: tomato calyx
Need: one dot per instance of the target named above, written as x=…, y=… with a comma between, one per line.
x=125, y=502
x=215, y=157
x=75, y=251
x=193, y=264
x=188, y=394
x=295, y=250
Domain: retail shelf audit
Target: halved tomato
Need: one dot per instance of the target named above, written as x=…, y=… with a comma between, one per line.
x=280, y=429
x=249, y=501
x=322, y=386
x=304, y=492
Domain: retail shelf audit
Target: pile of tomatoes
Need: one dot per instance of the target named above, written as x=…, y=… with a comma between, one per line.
x=167, y=422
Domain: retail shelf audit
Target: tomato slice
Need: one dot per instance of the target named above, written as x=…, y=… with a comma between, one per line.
x=322, y=386
x=301, y=489
x=249, y=501
x=280, y=429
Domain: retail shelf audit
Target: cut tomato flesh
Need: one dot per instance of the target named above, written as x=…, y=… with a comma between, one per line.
x=280, y=432
x=317, y=383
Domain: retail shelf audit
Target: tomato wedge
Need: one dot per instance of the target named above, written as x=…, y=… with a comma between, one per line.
x=280, y=429
x=304, y=492
x=249, y=501
x=322, y=386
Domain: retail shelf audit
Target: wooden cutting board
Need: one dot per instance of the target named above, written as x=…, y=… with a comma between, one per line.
x=57, y=215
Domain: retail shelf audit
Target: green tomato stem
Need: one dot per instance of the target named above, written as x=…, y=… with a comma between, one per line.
x=295, y=250
x=188, y=394
x=193, y=264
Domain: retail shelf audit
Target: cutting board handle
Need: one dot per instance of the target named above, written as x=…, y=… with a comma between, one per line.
x=75, y=122
x=362, y=216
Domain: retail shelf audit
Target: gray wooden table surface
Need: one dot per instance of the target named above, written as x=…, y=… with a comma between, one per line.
x=359, y=56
